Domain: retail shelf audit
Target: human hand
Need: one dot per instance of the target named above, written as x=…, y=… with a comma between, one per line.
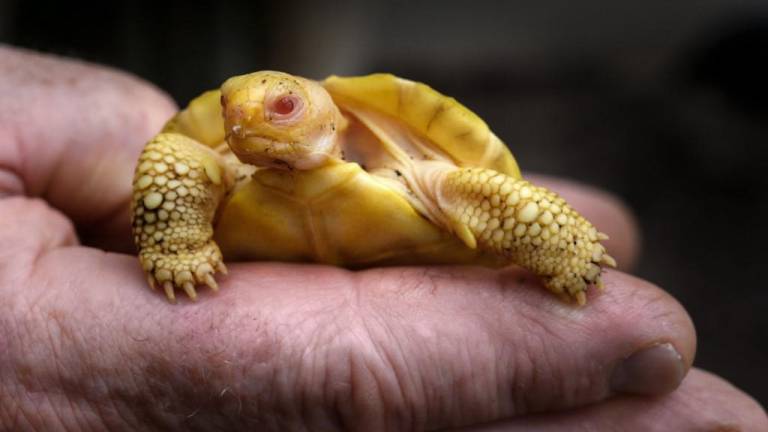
x=84, y=344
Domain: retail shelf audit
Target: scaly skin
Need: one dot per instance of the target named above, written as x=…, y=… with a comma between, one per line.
x=178, y=186
x=531, y=225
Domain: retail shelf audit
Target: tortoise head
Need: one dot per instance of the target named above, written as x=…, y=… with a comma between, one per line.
x=279, y=120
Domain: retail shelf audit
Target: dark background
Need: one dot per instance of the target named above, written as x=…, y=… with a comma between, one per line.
x=663, y=103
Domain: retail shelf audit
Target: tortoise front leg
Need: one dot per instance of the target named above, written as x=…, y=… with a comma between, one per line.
x=178, y=186
x=531, y=225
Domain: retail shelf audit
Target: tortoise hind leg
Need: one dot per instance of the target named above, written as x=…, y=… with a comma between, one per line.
x=531, y=225
x=178, y=187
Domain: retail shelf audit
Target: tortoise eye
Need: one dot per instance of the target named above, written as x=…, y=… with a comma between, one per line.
x=284, y=105
x=285, y=109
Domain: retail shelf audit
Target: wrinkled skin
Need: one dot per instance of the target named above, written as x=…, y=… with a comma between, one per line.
x=84, y=344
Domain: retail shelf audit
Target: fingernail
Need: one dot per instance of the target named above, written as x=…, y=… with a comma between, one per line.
x=654, y=370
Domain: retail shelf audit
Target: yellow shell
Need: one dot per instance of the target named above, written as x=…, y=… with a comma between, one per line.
x=444, y=121
x=340, y=214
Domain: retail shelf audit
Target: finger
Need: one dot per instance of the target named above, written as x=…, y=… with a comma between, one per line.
x=435, y=347
x=431, y=347
x=606, y=211
x=29, y=228
x=703, y=402
x=72, y=134
x=522, y=351
x=408, y=348
x=403, y=343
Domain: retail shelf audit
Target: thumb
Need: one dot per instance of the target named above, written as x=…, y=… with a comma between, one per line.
x=71, y=133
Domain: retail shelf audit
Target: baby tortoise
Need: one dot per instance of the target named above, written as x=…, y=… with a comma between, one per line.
x=356, y=172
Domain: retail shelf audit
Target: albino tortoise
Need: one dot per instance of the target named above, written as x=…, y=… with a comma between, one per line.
x=356, y=172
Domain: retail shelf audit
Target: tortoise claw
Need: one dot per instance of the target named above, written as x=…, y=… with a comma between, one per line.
x=211, y=282
x=608, y=260
x=189, y=288
x=222, y=268
x=168, y=287
x=184, y=271
x=600, y=284
x=581, y=298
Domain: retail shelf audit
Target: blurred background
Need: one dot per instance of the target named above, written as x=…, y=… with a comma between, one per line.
x=664, y=104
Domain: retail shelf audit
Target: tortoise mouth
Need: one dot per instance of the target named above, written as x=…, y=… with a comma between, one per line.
x=261, y=160
x=264, y=151
x=253, y=148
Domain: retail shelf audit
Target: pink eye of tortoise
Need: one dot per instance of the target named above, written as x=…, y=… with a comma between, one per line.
x=285, y=109
x=284, y=105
